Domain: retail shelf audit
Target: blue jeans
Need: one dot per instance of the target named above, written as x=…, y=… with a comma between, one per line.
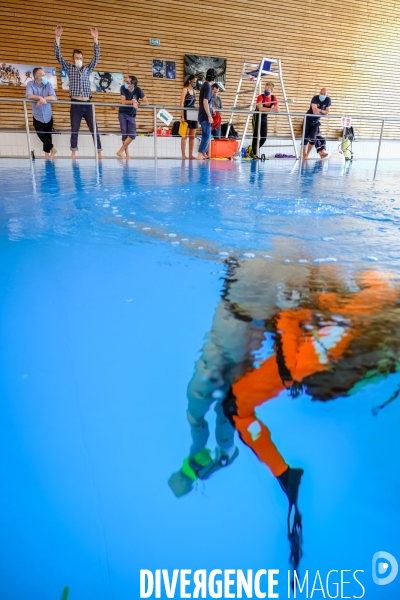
x=217, y=133
x=77, y=113
x=205, y=136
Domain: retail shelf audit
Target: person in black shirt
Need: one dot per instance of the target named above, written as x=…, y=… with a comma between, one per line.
x=205, y=116
x=320, y=105
x=131, y=93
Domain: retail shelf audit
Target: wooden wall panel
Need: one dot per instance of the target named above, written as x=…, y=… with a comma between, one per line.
x=352, y=47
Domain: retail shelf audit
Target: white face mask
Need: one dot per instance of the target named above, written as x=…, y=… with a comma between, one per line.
x=78, y=64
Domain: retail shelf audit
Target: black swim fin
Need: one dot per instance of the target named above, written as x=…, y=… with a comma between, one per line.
x=290, y=483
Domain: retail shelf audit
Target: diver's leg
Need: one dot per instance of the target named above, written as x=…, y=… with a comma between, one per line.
x=200, y=398
x=224, y=430
x=252, y=390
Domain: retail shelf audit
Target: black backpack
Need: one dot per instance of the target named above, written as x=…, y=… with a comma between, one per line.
x=233, y=134
x=175, y=128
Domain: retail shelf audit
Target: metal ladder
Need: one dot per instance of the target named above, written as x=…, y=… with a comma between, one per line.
x=268, y=66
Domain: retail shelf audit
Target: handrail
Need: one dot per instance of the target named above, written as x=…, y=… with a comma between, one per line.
x=155, y=107
x=227, y=110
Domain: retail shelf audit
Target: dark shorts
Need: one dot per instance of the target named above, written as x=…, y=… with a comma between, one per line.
x=192, y=124
x=128, y=126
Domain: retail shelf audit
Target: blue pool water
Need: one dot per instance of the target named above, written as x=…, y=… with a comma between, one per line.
x=111, y=282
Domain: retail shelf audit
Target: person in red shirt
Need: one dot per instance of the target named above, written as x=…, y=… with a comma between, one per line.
x=266, y=103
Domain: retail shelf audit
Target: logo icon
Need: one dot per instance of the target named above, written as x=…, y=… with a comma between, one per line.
x=384, y=563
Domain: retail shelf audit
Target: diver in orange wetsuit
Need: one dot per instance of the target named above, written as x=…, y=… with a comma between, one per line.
x=325, y=329
x=315, y=315
x=302, y=349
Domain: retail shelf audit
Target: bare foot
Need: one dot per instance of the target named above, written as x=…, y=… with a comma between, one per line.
x=73, y=154
x=323, y=154
x=100, y=155
x=120, y=153
x=184, y=157
x=192, y=157
x=47, y=155
x=53, y=152
x=127, y=155
x=201, y=156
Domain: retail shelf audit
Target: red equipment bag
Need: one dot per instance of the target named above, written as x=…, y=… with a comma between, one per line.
x=217, y=121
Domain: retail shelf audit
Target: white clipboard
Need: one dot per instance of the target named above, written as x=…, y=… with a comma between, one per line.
x=192, y=114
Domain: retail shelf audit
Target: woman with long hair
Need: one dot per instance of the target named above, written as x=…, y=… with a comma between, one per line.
x=188, y=98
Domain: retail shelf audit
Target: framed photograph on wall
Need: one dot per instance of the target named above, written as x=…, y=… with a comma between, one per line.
x=17, y=74
x=100, y=81
x=170, y=69
x=158, y=68
x=199, y=65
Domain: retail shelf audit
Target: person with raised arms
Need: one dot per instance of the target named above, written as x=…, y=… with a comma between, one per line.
x=79, y=88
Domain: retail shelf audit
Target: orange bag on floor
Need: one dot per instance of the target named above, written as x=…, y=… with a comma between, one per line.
x=224, y=148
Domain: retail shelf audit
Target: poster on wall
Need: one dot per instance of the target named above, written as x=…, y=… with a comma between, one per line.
x=170, y=69
x=158, y=68
x=164, y=69
x=16, y=74
x=199, y=65
x=100, y=81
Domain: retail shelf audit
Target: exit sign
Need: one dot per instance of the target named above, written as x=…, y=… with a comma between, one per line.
x=155, y=42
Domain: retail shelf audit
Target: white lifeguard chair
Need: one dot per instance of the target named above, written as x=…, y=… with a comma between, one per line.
x=271, y=67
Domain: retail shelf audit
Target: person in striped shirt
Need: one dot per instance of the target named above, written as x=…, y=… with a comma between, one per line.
x=79, y=88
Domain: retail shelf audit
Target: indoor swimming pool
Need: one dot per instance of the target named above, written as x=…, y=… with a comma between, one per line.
x=273, y=294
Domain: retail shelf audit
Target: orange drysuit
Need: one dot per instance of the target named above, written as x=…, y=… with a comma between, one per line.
x=305, y=351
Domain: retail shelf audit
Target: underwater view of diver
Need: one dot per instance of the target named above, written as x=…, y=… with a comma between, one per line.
x=291, y=329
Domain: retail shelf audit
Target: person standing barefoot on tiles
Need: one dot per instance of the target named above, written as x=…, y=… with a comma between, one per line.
x=205, y=116
x=42, y=93
x=131, y=93
x=188, y=98
x=79, y=88
x=320, y=105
